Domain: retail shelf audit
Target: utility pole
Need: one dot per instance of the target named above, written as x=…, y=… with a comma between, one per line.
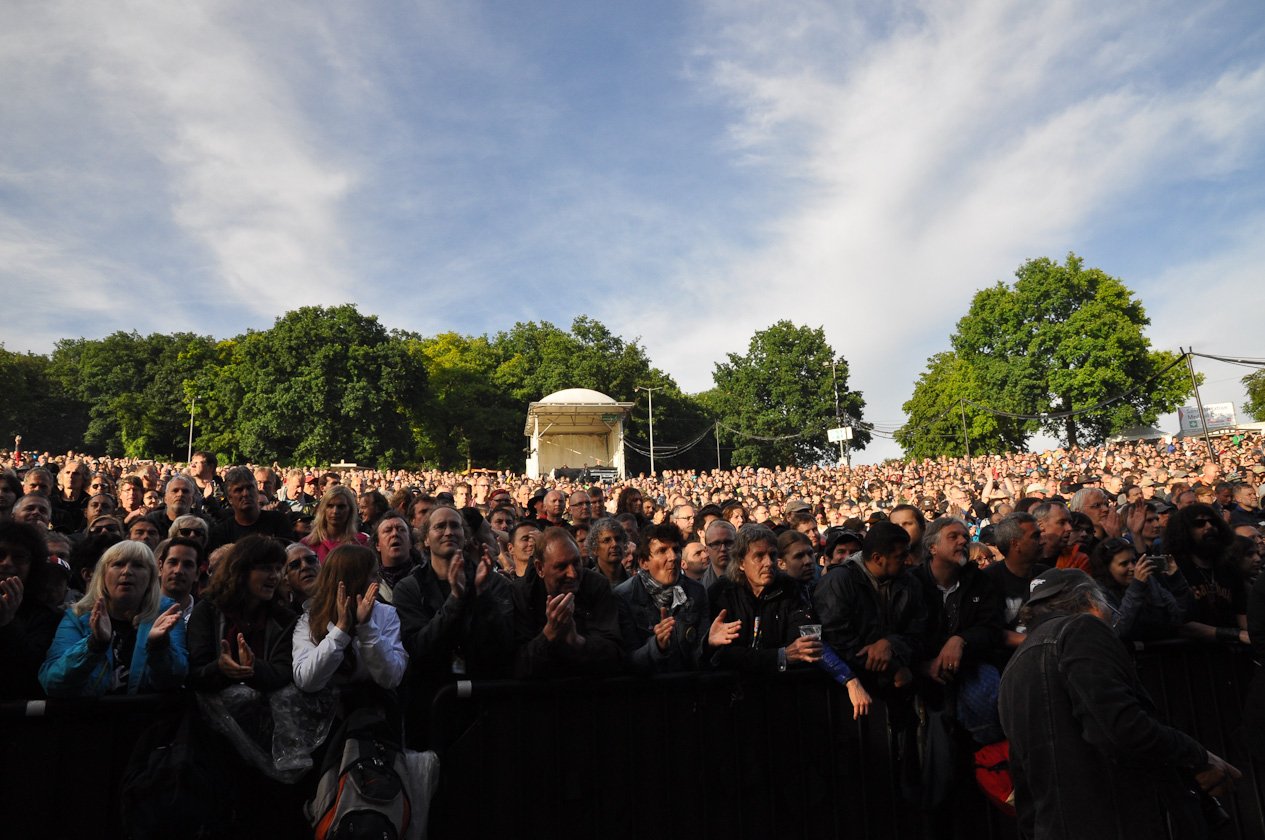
x=1194, y=382
x=715, y=434
x=650, y=411
x=966, y=437
x=192, y=406
x=834, y=378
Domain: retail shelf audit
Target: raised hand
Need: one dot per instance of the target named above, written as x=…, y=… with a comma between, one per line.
x=342, y=605
x=245, y=655
x=364, y=603
x=663, y=630
x=99, y=624
x=723, y=633
x=559, y=616
x=457, y=575
x=484, y=570
x=229, y=667
x=160, y=630
x=10, y=598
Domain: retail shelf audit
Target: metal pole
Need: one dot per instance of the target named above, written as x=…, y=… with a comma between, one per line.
x=716, y=434
x=966, y=437
x=192, y=406
x=838, y=419
x=1203, y=419
x=650, y=391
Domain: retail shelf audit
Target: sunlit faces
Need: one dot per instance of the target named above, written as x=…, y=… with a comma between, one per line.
x=950, y=544
x=37, y=482
x=758, y=564
x=33, y=510
x=394, y=541
x=1056, y=530
x=607, y=551
x=694, y=559
x=243, y=498
x=1123, y=564
x=662, y=561
x=445, y=534
x=797, y=561
x=262, y=581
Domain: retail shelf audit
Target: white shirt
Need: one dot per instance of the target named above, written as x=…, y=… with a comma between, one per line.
x=380, y=654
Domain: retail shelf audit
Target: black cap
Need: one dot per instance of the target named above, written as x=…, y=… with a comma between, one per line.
x=1054, y=581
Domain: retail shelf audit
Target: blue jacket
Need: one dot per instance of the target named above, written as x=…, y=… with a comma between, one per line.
x=72, y=670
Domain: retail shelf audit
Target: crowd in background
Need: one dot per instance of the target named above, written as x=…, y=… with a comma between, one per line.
x=910, y=582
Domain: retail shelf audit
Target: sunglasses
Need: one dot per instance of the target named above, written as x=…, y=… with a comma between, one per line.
x=191, y=532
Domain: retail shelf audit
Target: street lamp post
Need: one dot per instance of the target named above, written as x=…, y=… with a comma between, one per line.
x=192, y=406
x=650, y=413
x=834, y=378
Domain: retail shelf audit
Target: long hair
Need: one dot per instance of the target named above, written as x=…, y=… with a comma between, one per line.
x=320, y=524
x=228, y=589
x=748, y=535
x=1179, y=536
x=124, y=551
x=355, y=566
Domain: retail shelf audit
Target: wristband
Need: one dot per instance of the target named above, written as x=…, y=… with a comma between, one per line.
x=1227, y=634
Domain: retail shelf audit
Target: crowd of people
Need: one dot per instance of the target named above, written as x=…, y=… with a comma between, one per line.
x=924, y=584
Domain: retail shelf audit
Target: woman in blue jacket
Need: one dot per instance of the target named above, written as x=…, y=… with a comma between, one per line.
x=122, y=636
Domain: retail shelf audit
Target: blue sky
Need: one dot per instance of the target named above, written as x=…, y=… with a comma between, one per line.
x=685, y=173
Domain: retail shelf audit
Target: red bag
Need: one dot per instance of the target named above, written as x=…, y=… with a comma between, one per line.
x=992, y=774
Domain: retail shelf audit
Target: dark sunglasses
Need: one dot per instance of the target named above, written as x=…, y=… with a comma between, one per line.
x=191, y=532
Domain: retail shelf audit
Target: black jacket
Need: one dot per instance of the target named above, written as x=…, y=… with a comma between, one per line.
x=1088, y=757
x=596, y=619
x=24, y=644
x=852, y=615
x=638, y=615
x=781, y=609
x=980, y=619
x=273, y=664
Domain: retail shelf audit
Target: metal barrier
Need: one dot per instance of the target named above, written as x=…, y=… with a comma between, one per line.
x=692, y=755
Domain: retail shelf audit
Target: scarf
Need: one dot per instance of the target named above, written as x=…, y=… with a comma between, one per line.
x=671, y=596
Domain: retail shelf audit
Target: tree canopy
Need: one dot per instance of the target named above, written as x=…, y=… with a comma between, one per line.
x=1059, y=340
x=777, y=400
x=1255, y=384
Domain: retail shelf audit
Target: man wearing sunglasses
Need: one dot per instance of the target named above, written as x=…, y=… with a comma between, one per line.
x=1198, y=538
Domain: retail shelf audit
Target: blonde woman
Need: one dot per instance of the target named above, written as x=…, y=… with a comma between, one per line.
x=122, y=636
x=335, y=523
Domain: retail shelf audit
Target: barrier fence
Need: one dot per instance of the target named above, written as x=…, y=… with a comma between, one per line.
x=694, y=755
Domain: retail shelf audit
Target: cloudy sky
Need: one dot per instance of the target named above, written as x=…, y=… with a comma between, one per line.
x=685, y=173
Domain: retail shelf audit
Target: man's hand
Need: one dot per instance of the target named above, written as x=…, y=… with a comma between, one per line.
x=1217, y=777
x=1136, y=519
x=949, y=662
x=803, y=649
x=723, y=633
x=160, y=630
x=99, y=624
x=559, y=616
x=663, y=630
x=457, y=575
x=877, y=656
x=10, y=598
x=1111, y=524
x=860, y=698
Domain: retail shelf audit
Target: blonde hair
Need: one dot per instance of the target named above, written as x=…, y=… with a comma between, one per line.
x=320, y=522
x=124, y=551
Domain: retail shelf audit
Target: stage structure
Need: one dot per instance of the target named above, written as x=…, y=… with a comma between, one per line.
x=574, y=429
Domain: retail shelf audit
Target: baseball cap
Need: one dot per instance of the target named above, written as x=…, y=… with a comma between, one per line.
x=1054, y=581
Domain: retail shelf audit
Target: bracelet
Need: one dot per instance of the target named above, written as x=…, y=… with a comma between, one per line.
x=1227, y=634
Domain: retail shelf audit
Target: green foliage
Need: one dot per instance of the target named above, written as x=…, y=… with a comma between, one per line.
x=1255, y=384
x=1062, y=338
x=783, y=387
x=37, y=406
x=132, y=385
x=323, y=384
x=936, y=409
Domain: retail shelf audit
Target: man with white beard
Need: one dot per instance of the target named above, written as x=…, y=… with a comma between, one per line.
x=965, y=621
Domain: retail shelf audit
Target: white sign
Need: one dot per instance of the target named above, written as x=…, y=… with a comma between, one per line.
x=1220, y=416
x=839, y=435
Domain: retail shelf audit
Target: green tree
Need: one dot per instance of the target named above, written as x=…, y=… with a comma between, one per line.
x=37, y=406
x=133, y=387
x=945, y=393
x=322, y=384
x=778, y=399
x=1255, y=384
x=1064, y=338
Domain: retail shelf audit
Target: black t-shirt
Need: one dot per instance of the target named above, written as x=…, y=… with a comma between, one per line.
x=271, y=523
x=1014, y=589
x=122, y=645
x=1219, y=593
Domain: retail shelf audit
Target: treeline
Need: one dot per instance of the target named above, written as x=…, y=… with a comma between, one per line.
x=325, y=384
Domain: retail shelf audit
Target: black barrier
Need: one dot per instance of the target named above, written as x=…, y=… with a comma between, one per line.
x=695, y=755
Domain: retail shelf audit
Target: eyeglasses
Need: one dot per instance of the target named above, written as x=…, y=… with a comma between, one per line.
x=299, y=562
x=1201, y=522
x=191, y=532
x=721, y=544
